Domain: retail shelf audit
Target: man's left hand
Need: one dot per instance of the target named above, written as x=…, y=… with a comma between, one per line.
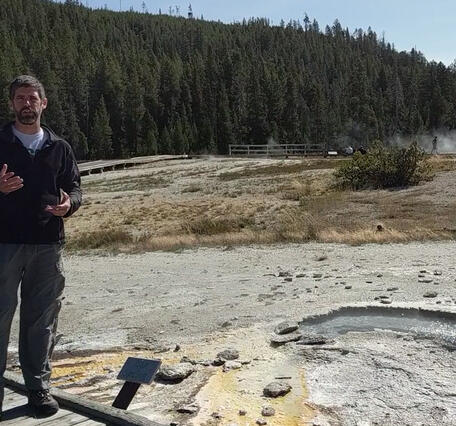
x=62, y=208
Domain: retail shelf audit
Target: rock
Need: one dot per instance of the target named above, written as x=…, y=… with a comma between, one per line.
x=204, y=362
x=317, y=275
x=231, y=365
x=430, y=294
x=186, y=359
x=314, y=339
x=188, y=409
x=437, y=272
x=286, y=327
x=177, y=372
x=348, y=287
x=300, y=275
x=267, y=411
x=284, y=274
x=286, y=338
x=425, y=280
x=216, y=415
x=386, y=301
x=261, y=422
x=229, y=354
x=392, y=289
x=242, y=412
x=276, y=389
x=288, y=279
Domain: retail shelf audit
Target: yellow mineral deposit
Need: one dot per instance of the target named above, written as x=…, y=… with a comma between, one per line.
x=227, y=393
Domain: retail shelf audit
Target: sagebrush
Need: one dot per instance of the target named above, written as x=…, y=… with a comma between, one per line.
x=384, y=167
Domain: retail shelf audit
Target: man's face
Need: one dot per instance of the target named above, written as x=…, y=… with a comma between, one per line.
x=27, y=105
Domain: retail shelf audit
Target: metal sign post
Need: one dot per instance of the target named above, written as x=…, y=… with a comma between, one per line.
x=135, y=372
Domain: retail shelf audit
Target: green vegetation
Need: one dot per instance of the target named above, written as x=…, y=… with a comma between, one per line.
x=128, y=83
x=384, y=167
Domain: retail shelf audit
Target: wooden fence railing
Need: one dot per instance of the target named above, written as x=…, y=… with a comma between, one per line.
x=277, y=150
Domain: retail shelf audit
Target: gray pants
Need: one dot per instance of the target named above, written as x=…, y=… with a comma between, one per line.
x=38, y=268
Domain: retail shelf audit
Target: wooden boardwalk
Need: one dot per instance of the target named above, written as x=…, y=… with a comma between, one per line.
x=100, y=166
x=74, y=410
x=16, y=412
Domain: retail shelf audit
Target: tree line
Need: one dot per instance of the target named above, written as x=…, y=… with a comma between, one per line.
x=129, y=83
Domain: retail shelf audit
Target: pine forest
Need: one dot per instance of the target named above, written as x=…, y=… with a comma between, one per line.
x=124, y=84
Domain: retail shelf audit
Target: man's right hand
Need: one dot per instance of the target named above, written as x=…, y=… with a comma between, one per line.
x=9, y=182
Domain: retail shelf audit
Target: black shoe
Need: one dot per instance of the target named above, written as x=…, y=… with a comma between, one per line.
x=42, y=403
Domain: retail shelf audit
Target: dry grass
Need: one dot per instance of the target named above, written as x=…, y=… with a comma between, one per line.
x=281, y=168
x=442, y=163
x=277, y=202
x=106, y=238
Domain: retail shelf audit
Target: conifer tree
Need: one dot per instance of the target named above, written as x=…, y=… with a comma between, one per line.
x=100, y=134
x=176, y=85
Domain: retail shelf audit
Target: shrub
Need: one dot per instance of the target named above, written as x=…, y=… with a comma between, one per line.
x=384, y=167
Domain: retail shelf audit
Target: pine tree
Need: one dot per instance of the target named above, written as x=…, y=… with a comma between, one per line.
x=176, y=85
x=100, y=133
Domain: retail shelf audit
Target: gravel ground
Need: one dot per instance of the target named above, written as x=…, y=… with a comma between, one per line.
x=180, y=297
x=207, y=299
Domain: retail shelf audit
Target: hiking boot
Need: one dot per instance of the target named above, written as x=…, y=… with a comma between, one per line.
x=42, y=403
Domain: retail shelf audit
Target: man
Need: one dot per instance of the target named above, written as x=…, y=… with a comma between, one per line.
x=39, y=185
x=434, y=146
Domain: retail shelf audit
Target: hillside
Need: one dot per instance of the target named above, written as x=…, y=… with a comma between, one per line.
x=128, y=83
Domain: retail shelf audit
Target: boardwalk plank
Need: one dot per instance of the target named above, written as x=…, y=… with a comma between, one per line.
x=15, y=416
x=75, y=410
x=16, y=411
x=8, y=391
x=63, y=417
x=13, y=399
x=70, y=419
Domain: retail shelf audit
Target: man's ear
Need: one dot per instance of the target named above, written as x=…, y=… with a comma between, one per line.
x=44, y=103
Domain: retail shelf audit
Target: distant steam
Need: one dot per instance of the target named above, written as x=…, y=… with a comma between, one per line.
x=446, y=141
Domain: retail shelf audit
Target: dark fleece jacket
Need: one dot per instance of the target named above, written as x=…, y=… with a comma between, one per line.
x=22, y=215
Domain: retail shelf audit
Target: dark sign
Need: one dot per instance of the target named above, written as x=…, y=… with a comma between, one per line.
x=139, y=370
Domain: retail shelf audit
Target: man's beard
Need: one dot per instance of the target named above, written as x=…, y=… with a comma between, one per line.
x=27, y=118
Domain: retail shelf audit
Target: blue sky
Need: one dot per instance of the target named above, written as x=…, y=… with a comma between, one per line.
x=425, y=24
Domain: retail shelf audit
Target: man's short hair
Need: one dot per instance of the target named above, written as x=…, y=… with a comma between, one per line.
x=26, y=81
